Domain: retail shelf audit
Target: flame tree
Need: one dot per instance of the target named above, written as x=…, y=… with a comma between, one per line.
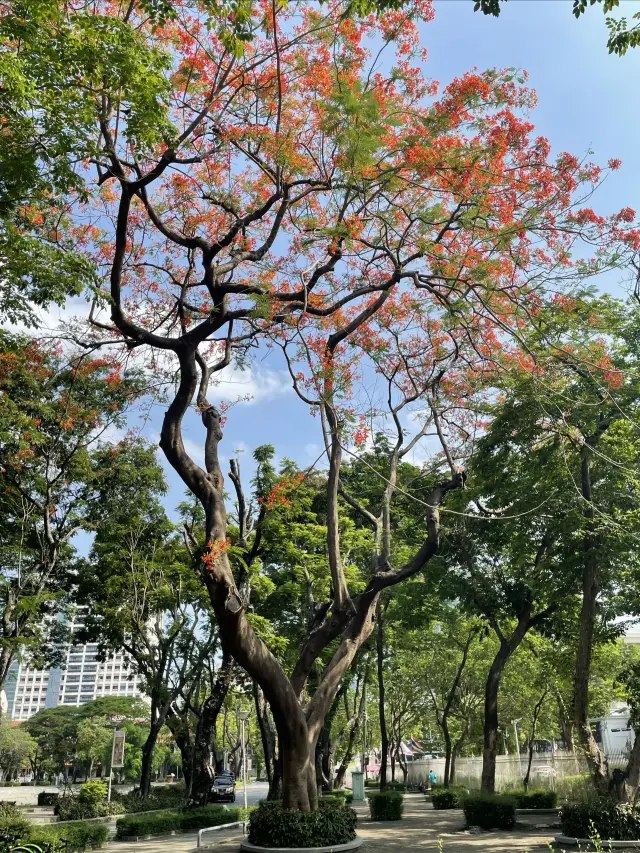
x=306, y=195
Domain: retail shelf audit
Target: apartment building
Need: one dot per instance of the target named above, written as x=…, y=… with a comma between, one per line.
x=81, y=678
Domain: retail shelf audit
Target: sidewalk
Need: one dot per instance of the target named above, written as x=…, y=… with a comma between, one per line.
x=420, y=829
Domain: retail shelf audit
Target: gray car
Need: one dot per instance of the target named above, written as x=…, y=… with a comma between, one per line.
x=223, y=788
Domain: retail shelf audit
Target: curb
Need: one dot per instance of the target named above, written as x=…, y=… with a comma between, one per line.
x=588, y=844
x=335, y=848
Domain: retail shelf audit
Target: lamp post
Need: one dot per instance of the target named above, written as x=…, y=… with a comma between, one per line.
x=243, y=716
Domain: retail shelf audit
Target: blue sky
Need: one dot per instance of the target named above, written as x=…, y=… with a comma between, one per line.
x=587, y=100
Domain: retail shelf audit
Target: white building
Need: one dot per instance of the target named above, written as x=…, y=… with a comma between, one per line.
x=82, y=678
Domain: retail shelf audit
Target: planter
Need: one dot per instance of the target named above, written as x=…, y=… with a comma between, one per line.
x=335, y=848
x=586, y=844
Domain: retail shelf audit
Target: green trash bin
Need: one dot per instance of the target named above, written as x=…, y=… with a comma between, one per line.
x=357, y=784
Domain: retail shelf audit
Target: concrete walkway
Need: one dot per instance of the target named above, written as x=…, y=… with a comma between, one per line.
x=420, y=829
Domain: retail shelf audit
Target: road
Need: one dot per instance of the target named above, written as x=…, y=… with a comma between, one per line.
x=27, y=795
x=256, y=791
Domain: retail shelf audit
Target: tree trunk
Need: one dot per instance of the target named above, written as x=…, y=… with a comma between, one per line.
x=488, y=783
x=267, y=734
x=384, y=737
x=534, y=723
x=275, y=788
x=596, y=761
x=179, y=729
x=147, y=757
x=352, y=739
x=324, y=752
x=202, y=769
x=448, y=751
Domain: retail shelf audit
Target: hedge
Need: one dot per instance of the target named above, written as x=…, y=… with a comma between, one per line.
x=73, y=808
x=79, y=836
x=490, y=811
x=386, y=805
x=538, y=798
x=271, y=825
x=176, y=820
x=48, y=798
x=612, y=821
x=448, y=798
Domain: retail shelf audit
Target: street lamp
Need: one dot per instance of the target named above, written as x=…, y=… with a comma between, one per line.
x=243, y=716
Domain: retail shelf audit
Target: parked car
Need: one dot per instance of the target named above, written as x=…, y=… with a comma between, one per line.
x=223, y=787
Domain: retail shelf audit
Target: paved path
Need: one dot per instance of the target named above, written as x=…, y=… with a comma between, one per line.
x=420, y=830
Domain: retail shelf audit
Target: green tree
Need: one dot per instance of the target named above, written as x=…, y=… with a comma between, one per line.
x=145, y=599
x=56, y=409
x=17, y=750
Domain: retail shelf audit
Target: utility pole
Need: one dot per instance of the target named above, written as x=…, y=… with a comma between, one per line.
x=243, y=716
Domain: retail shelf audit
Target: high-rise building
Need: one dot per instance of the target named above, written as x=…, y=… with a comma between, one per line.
x=82, y=678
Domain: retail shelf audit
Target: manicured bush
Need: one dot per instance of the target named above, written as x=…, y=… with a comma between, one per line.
x=612, y=821
x=448, y=798
x=538, y=798
x=79, y=836
x=93, y=791
x=48, y=798
x=490, y=811
x=176, y=820
x=338, y=794
x=73, y=808
x=386, y=805
x=193, y=819
x=166, y=797
x=270, y=825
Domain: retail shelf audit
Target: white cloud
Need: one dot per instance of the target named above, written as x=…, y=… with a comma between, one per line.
x=253, y=383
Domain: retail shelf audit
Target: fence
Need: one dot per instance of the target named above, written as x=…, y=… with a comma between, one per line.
x=560, y=770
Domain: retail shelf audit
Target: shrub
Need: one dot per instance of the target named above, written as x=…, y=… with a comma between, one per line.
x=73, y=808
x=176, y=820
x=538, y=798
x=158, y=823
x=213, y=815
x=339, y=794
x=79, y=836
x=270, y=825
x=48, y=798
x=169, y=797
x=386, y=805
x=9, y=811
x=18, y=826
x=448, y=798
x=490, y=811
x=93, y=791
x=612, y=821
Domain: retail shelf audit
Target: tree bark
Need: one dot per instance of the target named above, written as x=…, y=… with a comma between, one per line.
x=202, y=769
x=596, y=761
x=352, y=739
x=532, y=737
x=492, y=688
x=147, y=757
x=384, y=737
x=267, y=735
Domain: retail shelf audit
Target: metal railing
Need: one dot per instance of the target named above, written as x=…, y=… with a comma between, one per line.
x=201, y=832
